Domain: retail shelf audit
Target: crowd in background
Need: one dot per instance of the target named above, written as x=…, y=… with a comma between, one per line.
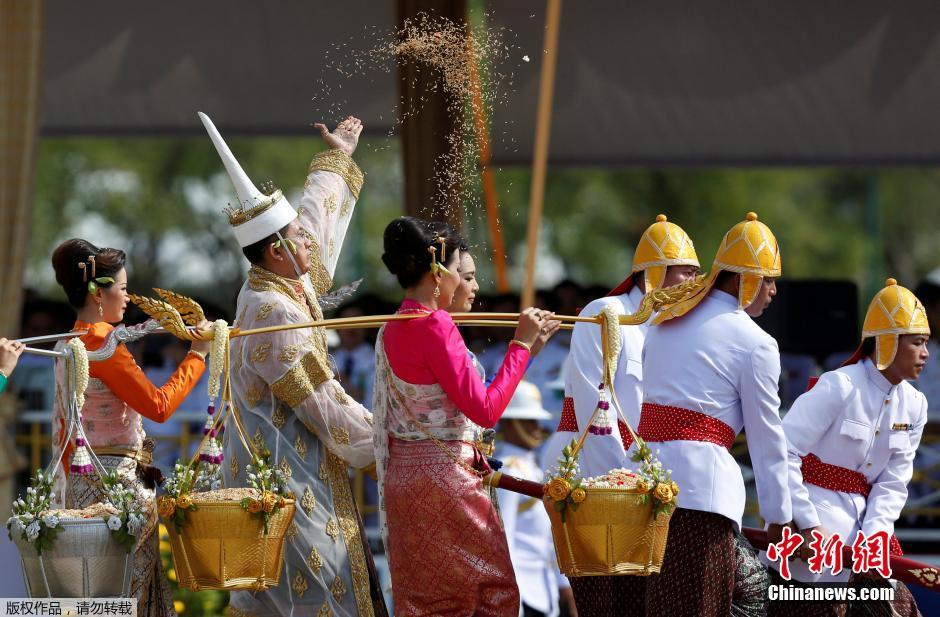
x=353, y=354
x=353, y=351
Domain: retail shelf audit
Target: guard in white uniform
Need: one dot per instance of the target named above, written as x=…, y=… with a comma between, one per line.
x=528, y=528
x=665, y=256
x=852, y=438
x=709, y=373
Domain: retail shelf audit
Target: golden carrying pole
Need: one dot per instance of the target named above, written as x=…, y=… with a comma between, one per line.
x=167, y=314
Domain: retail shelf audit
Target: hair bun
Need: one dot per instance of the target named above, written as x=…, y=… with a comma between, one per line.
x=398, y=263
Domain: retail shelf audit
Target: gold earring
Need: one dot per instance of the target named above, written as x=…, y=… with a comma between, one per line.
x=437, y=289
x=100, y=310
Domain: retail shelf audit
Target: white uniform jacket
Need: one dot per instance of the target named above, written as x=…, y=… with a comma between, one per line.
x=584, y=372
x=854, y=418
x=715, y=360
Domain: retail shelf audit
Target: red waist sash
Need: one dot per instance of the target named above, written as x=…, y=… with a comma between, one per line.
x=841, y=480
x=665, y=423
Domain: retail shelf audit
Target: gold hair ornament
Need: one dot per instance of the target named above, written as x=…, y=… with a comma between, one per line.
x=437, y=266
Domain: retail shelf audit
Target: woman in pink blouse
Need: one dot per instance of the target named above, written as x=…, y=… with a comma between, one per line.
x=446, y=548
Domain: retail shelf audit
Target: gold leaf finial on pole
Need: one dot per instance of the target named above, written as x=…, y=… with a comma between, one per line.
x=165, y=314
x=188, y=308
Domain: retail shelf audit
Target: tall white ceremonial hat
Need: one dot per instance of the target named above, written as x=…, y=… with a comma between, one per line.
x=258, y=214
x=526, y=404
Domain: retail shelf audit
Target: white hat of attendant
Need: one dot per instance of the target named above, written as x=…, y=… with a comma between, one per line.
x=526, y=404
x=259, y=214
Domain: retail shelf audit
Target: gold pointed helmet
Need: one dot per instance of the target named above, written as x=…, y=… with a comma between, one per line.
x=663, y=244
x=893, y=311
x=749, y=249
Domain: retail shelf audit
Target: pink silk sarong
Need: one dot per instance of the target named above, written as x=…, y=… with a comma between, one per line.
x=447, y=550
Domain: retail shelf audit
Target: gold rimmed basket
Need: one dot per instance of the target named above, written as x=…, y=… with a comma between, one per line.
x=613, y=532
x=222, y=546
x=610, y=531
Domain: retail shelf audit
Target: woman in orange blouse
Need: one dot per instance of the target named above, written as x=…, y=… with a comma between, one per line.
x=117, y=397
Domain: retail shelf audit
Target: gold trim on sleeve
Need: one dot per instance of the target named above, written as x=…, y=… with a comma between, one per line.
x=300, y=381
x=342, y=164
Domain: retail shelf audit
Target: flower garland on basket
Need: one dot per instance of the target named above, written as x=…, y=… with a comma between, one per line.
x=271, y=486
x=654, y=480
x=177, y=502
x=564, y=486
x=32, y=515
x=568, y=490
x=125, y=526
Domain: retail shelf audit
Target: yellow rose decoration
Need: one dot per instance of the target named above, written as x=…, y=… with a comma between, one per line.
x=184, y=501
x=254, y=506
x=268, y=501
x=578, y=495
x=675, y=488
x=166, y=506
x=663, y=493
x=558, y=489
x=642, y=486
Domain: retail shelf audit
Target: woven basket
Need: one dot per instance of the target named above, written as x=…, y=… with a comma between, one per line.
x=222, y=546
x=83, y=562
x=611, y=533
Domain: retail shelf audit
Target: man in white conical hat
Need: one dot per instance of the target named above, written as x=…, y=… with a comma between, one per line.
x=528, y=528
x=283, y=386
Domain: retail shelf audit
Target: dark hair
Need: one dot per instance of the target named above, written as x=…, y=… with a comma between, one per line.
x=928, y=293
x=868, y=346
x=73, y=279
x=254, y=253
x=722, y=279
x=407, y=240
